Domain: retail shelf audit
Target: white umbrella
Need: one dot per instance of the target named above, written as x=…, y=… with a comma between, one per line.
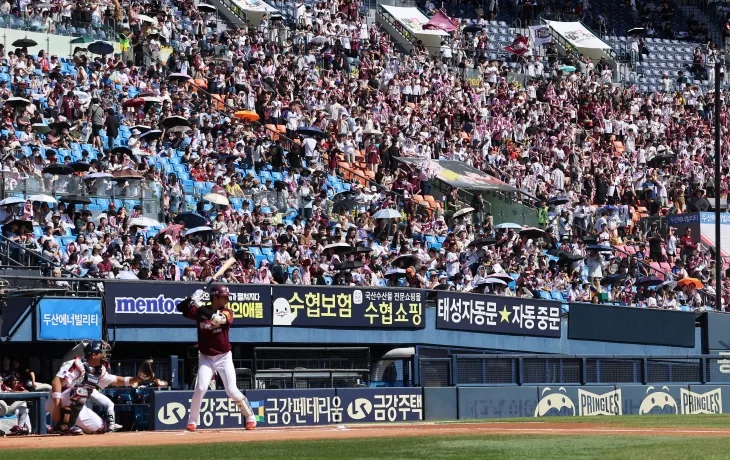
x=216, y=198
x=127, y=275
x=152, y=99
x=508, y=225
x=101, y=216
x=198, y=229
x=206, y=7
x=463, y=212
x=318, y=40
x=98, y=175
x=495, y=281
x=12, y=200
x=43, y=199
x=395, y=272
x=387, y=214
x=145, y=18
x=144, y=222
x=375, y=132
x=17, y=101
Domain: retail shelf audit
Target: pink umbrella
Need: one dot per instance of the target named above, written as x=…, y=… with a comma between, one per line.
x=173, y=230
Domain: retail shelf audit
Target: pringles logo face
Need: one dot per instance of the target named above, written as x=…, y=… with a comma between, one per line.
x=595, y=404
x=557, y=403
x=658, y=402
x=701, y=403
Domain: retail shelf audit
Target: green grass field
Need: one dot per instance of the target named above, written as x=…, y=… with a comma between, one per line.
x=479, y=446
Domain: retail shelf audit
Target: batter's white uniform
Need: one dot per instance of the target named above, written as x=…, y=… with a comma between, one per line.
x=72, y=375
x=208, y=365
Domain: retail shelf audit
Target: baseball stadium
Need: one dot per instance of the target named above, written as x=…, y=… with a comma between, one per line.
x=362, y=229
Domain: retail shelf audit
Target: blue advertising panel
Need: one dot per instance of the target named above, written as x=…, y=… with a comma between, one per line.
x=271, y=408
x=295, y=407
x=368, y=308
x=69, y=319
x=497, y=315
x=279, y=408
x=381, y=404
x=130, y=303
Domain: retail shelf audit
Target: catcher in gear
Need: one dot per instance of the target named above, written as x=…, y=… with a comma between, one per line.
x=73, y=384
x=214, y=349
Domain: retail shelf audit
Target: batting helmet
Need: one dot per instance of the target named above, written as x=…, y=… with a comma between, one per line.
x=219, y=289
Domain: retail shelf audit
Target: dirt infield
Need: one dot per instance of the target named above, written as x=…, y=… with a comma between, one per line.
x=146, y=438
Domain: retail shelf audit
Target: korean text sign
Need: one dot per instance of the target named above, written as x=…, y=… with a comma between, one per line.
x=497, y=315
x=376, y=308
x=133, y=303
x=279, y=408
x=69, y=319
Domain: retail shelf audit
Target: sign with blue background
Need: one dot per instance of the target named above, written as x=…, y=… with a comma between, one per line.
x=279, y=408
x=497, y=315
x=69, y=319
x=129, y=303
x=367, y=308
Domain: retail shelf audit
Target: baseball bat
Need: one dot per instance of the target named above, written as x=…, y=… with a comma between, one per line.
x=226, y=265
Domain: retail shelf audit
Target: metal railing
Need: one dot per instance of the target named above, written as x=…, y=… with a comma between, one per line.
x=499, y=369
x=309, y=378
x=146, y=193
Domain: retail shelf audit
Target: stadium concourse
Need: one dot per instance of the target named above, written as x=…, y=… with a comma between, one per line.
x=284, y=141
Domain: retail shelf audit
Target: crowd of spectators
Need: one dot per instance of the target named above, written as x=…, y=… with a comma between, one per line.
x=299, y=130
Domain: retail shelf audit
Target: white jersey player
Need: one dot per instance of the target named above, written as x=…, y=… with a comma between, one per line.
x=72, y=386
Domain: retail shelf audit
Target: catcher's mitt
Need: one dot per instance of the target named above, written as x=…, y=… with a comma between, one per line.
x=145, y=372
x=147, y=375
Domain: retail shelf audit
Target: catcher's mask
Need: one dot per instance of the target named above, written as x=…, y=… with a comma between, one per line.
x=98, y=346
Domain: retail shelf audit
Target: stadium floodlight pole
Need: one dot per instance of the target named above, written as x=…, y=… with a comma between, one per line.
x=718, y=158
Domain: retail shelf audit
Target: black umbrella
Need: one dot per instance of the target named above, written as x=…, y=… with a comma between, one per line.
x=80, y=166
x=649, y=281
x=75, y=199
x=590, y=240
x=442, y=287
x=663, y=158
x=483, y=242
x=141, y=128
x=60, y=125
x=349, y=265
x=344, y=195
x=360, y=250
x=190, y=219
x=472, y=29
x=310, y=131
x=175, y=120
x=59, y=170
x=502, y=276
x=344, y=206
x=558, y=200
x=25, y=224
x=151, y=135
x=101, y=48
x=569, y=259
x=599, y=248
x=24, y=43
x=610, y=280
x=532, y=232
x=405, y=261
x=122, y=149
